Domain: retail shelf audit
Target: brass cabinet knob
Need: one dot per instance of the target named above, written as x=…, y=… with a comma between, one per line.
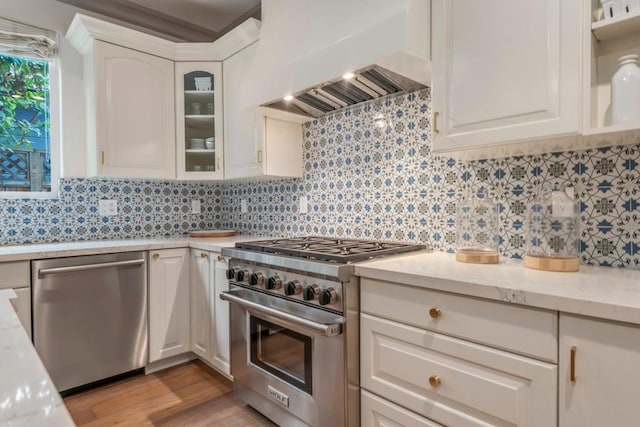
x=156, y=256
x=221, y=258
x=204, y=255
x=435, y=312
x=435, y=122
x=434, y=380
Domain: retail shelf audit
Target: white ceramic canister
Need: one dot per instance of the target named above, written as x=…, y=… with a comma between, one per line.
x=625, y=91
x=612, y=8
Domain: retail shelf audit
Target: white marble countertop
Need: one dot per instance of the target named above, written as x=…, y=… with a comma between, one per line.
x=593, y=291
x=57, y=250
x=27, y=394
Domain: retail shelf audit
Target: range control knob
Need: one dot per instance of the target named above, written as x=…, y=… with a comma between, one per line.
x=231, y=273
x=274, y=282
x=256, y=279
x=328, y=296
x=242, y=275
x=311, y=292
x=294, y=287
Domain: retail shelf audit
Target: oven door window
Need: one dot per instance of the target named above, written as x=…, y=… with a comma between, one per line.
x=282, y=352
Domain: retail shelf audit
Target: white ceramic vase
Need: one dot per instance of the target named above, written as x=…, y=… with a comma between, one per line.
x=625, y=91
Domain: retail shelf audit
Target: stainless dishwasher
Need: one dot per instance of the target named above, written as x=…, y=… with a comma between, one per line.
x=90, y=316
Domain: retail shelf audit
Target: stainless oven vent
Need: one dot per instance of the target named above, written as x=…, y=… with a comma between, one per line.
x=370, y=83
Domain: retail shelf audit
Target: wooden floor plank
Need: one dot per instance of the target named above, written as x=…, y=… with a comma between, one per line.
x=190, y=394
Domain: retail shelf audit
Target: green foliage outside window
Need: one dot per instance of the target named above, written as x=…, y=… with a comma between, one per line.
x=24, y=101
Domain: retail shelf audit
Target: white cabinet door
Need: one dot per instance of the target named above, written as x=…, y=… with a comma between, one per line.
x=504, y=71
x=220, y=347
x=201, y=308
x=605, y=390
x=199, y=120
x=169, y=333
x=134, y=122
x=22, y=306
x=257, y=145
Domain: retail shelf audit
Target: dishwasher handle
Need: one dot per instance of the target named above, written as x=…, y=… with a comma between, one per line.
x=85, y=267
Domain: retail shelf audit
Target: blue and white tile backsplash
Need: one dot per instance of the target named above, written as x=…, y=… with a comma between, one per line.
x=368, y=173
x=145, y=209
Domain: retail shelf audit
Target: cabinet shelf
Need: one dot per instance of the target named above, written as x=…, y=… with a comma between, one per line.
x=198, y=92
x=615, y=27
x=199, y=116
x=200, y=150
x=622, y=127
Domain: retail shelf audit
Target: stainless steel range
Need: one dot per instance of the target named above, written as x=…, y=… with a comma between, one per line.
x=295, y=326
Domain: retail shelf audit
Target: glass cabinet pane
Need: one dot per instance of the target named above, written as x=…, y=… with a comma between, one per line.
x=199, y=120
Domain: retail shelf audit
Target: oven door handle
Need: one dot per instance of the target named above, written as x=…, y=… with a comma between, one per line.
x=327, y=330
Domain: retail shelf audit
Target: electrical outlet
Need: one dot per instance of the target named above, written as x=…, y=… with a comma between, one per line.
x=196, y=206
x=108, y=207
x=304, y=205
x=243, y=206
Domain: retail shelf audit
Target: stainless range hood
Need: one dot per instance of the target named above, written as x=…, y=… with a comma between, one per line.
x=371, y=83
x=306, y=46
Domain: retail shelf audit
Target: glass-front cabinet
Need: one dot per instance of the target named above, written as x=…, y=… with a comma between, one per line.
x=199, y=120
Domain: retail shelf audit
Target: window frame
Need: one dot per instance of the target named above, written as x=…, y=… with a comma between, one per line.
x=55, y=146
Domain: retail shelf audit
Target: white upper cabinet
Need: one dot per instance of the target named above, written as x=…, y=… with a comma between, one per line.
x=131, y=114
x=199, y=120
x=257, y=145
x=504, y=72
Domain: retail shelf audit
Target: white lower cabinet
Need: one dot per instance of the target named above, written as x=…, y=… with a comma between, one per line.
x=220, y=348
x=377, y=412
x=16, y=275
x=430, y=357
x=201, y=313
x=604, y=356
x=209, y=314
x=22, y=306
x=169, y=308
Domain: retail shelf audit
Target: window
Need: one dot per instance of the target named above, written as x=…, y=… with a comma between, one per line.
x=28, y=153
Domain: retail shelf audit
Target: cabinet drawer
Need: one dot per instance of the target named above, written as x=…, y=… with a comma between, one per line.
x=377, y=412
x=528, y=331
x=15, y=275
x=455, y=382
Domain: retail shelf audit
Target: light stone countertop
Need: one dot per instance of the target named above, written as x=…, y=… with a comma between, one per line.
x=602, y=292
x=27, y=394
x=28, y=397
x=63, y=249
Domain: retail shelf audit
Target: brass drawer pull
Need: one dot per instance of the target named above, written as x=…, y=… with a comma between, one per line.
x=220, y=258
x=434, y=380
x=572, y=374
x=435, y=122
x=156, y=256
x=435, y=312
x=204, y=255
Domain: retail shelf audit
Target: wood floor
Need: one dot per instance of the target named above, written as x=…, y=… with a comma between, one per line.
x=187, y=395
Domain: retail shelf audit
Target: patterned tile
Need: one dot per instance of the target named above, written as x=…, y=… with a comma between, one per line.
x=145, y=209
x=368, y=173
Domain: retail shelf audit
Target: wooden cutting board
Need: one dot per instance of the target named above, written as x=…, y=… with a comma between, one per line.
x=212, y=233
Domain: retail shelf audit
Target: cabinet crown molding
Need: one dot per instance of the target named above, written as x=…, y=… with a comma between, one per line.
x=84, y=30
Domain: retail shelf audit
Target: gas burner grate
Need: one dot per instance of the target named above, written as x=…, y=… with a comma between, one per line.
x=328, y=249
